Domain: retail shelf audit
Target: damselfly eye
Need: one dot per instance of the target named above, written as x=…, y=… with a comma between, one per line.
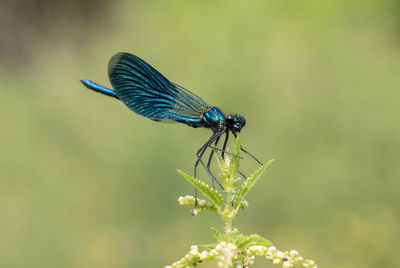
x=230, y=119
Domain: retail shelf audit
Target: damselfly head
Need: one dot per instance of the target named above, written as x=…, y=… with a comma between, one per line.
x=235, y=122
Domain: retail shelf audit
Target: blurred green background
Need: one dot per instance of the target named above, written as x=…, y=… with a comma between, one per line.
x=87, y=183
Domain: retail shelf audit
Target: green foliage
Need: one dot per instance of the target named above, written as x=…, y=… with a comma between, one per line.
x=249, y=183
x=233, y=249
x=213, y=195
x=218, y=236
x=234, y=163
x=208, y=246
x=246, y=241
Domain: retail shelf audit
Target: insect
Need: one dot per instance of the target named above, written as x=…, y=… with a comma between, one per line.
x=147, y=92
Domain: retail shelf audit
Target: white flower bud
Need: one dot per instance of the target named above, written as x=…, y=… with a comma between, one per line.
x=276, y=261
x=294, y=253
x=232, y=247
x=203, y=255
x=280, y=254
x=244, y=204
x=269, y=255
x=287, y=264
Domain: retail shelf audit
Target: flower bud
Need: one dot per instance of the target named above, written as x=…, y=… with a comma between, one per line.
x=294, y=253
x=287, y=264
x=276, y=261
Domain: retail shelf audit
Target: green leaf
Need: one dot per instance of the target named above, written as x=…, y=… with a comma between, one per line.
x=249, y=183
x=234, y=164
x=217, y=234
x=209, y=192
x=208, y=246
x=246, y=241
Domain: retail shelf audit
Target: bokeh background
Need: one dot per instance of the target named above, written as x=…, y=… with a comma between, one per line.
x=86, y=183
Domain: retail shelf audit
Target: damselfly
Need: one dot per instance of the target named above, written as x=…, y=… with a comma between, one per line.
x=148, y=93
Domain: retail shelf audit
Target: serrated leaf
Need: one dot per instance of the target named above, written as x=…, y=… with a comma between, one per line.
x=249, y=183
x=212, y=194
x=234, y=164
x=217, y=234
x=246, y=241
x=208, y=246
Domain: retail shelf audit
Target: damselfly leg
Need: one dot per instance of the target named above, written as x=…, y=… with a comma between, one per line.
x=211, y=155
x=203, y=149
x=225, y=142
x=223, y=151
x=246, y=152
x=200, y=152
x=215, y=137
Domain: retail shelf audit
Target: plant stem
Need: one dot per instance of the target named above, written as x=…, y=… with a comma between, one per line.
x=228, y=227
x=229, y=210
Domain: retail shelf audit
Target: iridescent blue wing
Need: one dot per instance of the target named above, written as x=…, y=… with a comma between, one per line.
x=147, y=92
